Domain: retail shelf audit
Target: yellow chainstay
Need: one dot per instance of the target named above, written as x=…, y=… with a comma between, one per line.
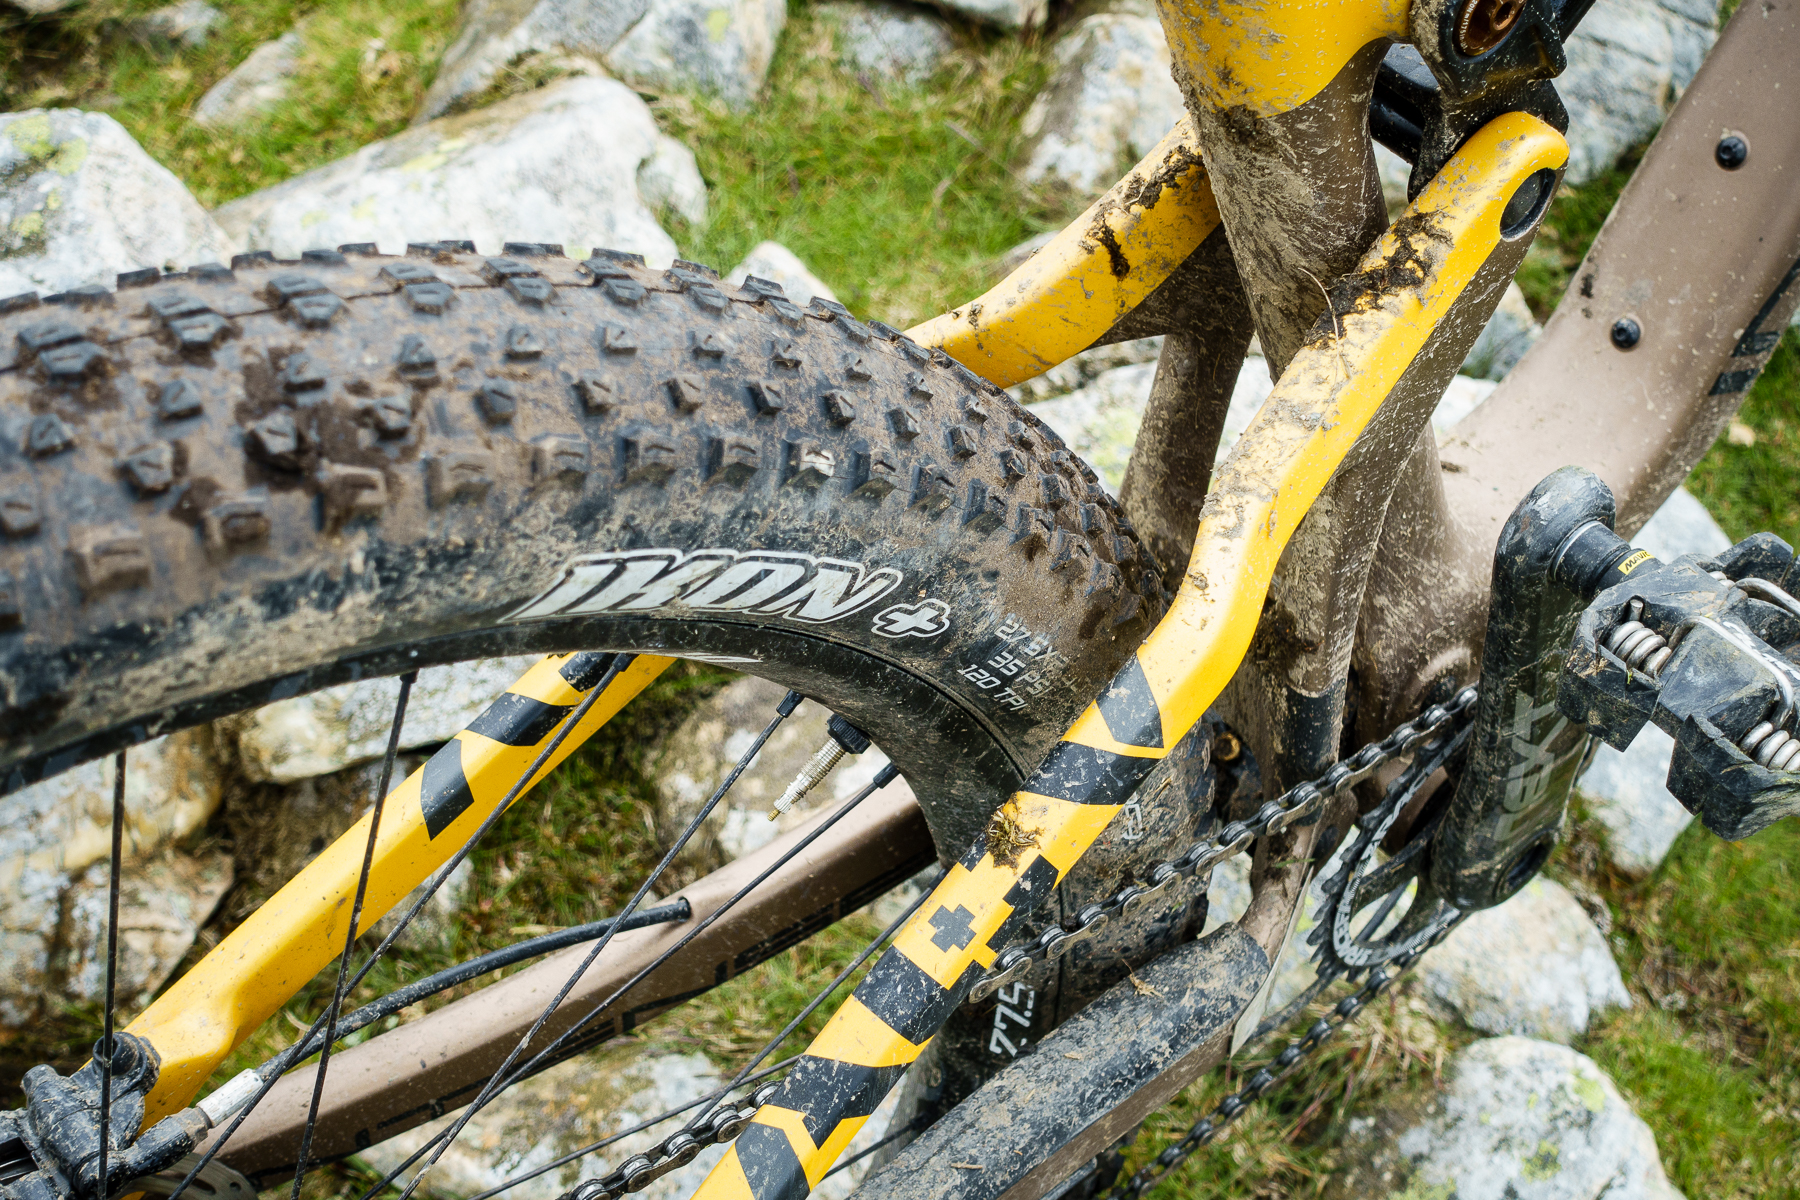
x=1320, y=407
x=298, y=931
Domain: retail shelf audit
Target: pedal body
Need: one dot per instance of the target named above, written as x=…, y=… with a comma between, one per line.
x=1705, y=648
x=1586, y=635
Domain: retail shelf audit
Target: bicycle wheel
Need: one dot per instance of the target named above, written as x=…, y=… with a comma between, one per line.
x=244, y=483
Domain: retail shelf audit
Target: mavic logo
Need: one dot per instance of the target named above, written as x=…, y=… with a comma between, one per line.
x=926, y=619
x=800, y=587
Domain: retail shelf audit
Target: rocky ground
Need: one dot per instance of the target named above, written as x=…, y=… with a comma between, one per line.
x=615, y=123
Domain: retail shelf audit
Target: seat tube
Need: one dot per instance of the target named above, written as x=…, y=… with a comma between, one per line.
x=1280, y=98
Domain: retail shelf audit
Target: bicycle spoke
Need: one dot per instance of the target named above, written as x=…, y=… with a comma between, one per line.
x=272, y=1071
x=884, y=777
x=782, y=711
x=716, y=1094
x=812, y=1005
x=112, y=967
x=356, y=905
x=475, y=968
x=912, y=1126
x=747, y=1075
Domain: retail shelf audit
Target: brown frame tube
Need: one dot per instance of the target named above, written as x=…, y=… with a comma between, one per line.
x=1706, y=260
x=375, y=1092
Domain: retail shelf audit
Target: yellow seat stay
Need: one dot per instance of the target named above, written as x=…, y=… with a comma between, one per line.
x=296, y=933
x=1323, y=402
x=1063, y=298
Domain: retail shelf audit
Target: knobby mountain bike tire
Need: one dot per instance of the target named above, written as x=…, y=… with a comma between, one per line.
x=240, y=484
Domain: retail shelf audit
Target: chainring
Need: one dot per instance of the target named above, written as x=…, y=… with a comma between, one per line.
x=1343, y=950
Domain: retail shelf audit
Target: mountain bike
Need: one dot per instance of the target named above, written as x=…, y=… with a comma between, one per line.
x=243, y=483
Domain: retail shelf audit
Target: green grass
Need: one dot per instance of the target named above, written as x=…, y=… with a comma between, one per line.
x=1575, y=216
x=1711, y=949
x=366, y=64
x=899, y=198
x=1757, y=487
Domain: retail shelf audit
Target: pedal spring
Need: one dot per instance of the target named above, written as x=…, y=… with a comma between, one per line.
x=1641, y=647
x=1771, y=747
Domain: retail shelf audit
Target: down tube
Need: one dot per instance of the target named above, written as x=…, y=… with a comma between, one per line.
x=1328, y=394
x=263, y=962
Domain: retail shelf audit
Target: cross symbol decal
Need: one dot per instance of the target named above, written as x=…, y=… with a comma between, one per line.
x=928, y=618
x=952, y=928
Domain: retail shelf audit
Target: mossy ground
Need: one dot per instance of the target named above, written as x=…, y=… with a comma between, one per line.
x=902, y=198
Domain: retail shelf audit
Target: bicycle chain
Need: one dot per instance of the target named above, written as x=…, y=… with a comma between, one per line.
x=1302, y=801
x=675, y=1151
x=1208, y=1128
x=1204, y=1131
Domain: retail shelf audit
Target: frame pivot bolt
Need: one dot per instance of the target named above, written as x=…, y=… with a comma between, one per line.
x=1731, y=152
x=1626, y=333
x=1484, y=24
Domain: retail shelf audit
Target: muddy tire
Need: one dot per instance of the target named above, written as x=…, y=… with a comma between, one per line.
x=236, y=485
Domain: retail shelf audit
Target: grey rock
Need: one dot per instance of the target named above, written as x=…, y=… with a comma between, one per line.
x=163, y=902
x=53, y=930
x=1535, y=965
x=188, y=23
x=173, y=785
x=1002, y=14
x=695, y=759
x=496, y=33
x=568, y=1106
x=254, y=86
x=329, y=730
x=890, y=41
x=1517, y=1119
x=1628, y=796
x=81, y=201
x=777, y=264
x=1098, y=411
x=55, y=836
x=1227, y=893
x=670, y=180
x=559, y=164
x=43, y=8
x=1296, y=967
x=1681, y=526
x=1109, y=100
x=1626, y=791
x=719, y=48
x=1100, y=421
x=1077, y=372
x=1629, y=61
x=1394, y=173
x=1503, y=341
x=1462, y=396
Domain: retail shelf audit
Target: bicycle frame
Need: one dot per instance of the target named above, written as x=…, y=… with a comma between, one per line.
x=1337, y=512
